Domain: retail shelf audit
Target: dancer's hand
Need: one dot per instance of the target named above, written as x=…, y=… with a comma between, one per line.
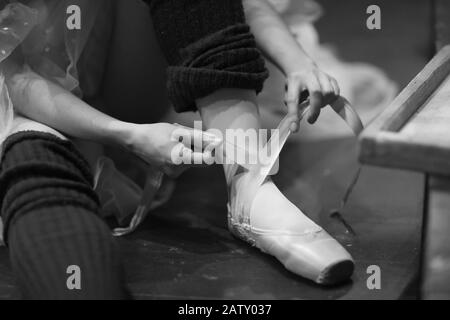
x=173, y=148
x=322, y=88
x=163, y=145
x=279, y=45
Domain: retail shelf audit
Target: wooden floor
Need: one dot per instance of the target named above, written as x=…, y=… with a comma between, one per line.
x=185, y=251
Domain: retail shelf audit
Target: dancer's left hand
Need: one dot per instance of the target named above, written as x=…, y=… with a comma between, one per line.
x=168, y=146
x=322, y=88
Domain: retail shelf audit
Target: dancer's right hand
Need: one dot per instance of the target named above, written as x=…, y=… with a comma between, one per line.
x=323, y=90
x=171, y=147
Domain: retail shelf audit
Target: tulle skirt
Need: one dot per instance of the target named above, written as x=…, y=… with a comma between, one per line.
x=66, y=42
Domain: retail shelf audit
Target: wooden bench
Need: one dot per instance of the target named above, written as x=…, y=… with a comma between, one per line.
x=414, y=133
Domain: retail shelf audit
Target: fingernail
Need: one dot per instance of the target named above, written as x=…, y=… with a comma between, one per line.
x=293, y=127
x=217, y=142
x=207, y=156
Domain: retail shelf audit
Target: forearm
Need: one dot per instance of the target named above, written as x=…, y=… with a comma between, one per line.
x=43, y=101
x=274, y=37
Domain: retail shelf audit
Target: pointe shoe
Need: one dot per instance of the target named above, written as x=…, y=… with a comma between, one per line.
x=310, y=252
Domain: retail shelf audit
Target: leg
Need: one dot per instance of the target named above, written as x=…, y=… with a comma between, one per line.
x=205, y=59
x=276, y=225
x=237, y=109
x=436, y=236
x=50, y=214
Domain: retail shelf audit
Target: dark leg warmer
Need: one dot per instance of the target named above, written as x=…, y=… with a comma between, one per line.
x=208, y=46
x=50, y=218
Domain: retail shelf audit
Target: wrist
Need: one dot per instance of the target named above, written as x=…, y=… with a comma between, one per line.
x=298, y=65
x=122, y=133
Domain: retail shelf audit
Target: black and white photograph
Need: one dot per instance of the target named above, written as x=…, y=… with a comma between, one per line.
x=224, y=156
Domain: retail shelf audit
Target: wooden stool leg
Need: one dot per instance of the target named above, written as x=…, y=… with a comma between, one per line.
x=436, y=256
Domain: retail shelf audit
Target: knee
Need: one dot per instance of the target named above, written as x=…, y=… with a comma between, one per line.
x=39, y=169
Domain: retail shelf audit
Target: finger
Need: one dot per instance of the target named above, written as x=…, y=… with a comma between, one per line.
x=336, y=88
x=197, y=158
x=176, y=154
x=294, y=127
x=195, y=139
x=292, y=94
x=327, y=89
x=301, y=107
x=316, y=98
x=191, y=158
x=292, y=98
x=184, y=158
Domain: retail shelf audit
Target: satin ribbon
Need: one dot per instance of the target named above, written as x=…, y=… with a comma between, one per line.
x=345, y=110
x=258, y=174
x=341, y=106
x=152, y=185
